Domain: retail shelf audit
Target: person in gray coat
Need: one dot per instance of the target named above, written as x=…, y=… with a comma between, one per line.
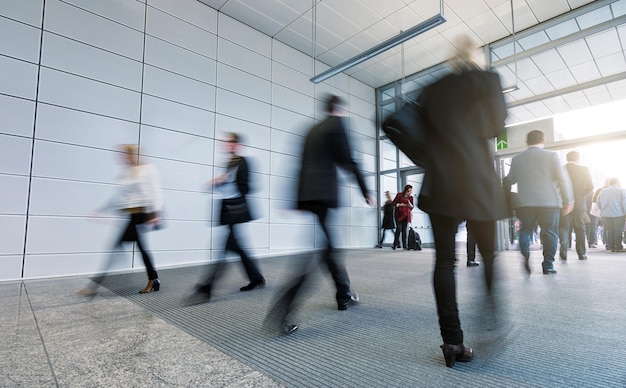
x=544, y=192
x=612, y=204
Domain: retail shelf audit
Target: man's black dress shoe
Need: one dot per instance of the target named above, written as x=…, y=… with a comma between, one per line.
x=253, y=285
x=549, y=271
x=583, y=257
x=472, y=263
x=288, y=328
x=354, y=300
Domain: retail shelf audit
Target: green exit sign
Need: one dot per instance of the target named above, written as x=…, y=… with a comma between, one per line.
x=501, y=141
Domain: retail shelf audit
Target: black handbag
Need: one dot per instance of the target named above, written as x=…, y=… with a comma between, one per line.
x=235, y=211
x=406, y=130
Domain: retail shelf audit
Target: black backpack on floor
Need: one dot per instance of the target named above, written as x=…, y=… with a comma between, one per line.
x=415, y=241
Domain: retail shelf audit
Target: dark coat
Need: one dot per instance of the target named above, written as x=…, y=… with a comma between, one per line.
x=464, y=113
x=581, y=184
x=326, y=147
x=388, y=222
x=236, y=210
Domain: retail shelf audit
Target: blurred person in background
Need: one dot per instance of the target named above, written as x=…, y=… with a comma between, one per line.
x=388, y=222
x=403, y=203
x=612, y=204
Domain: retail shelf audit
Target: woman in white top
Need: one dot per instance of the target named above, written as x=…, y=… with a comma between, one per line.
x=139, y=196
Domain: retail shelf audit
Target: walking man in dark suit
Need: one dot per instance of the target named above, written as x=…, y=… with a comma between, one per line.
x=326, y=147
x=544, y=192
x=581, y=185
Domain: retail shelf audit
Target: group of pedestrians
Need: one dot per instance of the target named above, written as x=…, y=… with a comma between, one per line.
x=464, y=111
x=397, y=217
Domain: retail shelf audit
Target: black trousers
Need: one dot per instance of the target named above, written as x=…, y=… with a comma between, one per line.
x=286, y=302
x=232, y=244
x=131, y=233
x=444, y=281
x=401, y=229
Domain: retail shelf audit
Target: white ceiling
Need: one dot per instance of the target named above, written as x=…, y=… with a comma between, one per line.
x=345, y=28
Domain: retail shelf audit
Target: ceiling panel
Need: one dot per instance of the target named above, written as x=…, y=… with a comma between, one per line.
x=345, y=28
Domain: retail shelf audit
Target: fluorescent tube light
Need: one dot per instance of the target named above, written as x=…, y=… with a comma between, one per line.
x=510, y=89
x=382, y=47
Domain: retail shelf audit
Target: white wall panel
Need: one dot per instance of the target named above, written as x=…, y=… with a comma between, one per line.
x=14, y=194
x=168, y=114
x=82, y=263
x=244, y=35
x=190, y=11
x=292, y=100
x=164, y=143
x=27, y=11
x=360, y=143
x=176, y=59
x=19, y=40
x=236, y=105
x=15, y=155
x=17, y=116
x=292, y=237
x=63, y=161
x=254, y=135
x=362, y=125
x=259, y=186
x=55, y=197
x=259, y=208
x=181, y=33
x=175, y=87
x=11, y=267
x=177, y=175
x=18, y=78
x=57, y=235
x=75, y=23
x=285, y=165
x=244, y=59
x=287, y=143
x=72, y=91
x=363, y=91
x=179, y=235
x=12, y=232
x=292, y=79
x=80, y=128
x=129, y=13
x=283, y=188
x=240, y=82
x=362, y=108
x=286, y=212
x=90, y=62
x=289, y=121
x=258, y=237
x=187, y=205
x=292, y=58
x=164, y=259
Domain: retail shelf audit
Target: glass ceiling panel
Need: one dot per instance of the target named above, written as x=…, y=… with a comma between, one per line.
x=534, y=40
x=595, y=17
x=619, y=8
x=562, y=29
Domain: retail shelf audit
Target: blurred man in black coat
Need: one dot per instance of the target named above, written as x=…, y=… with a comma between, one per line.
x=326, y=147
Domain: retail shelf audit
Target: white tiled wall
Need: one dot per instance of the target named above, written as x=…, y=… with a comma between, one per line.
x=173, y=77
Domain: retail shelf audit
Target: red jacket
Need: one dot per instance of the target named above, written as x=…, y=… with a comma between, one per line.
x=403, y=212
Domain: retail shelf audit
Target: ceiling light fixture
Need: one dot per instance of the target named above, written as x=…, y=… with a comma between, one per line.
x=382, y=47
x=513, y=87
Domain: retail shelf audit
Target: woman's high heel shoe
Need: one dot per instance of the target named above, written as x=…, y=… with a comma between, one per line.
x=453, y=353
x=153, y=285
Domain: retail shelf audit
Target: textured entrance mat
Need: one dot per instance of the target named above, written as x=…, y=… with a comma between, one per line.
x=564, y=330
